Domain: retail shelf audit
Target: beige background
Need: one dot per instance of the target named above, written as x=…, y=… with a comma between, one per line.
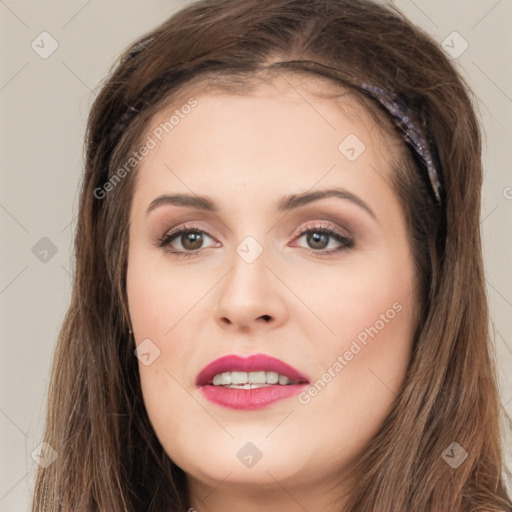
x=44, y=104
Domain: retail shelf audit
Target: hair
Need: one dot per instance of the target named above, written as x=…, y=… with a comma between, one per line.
x=109, y=457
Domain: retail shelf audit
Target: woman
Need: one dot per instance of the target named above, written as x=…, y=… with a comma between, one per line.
x=279, y=300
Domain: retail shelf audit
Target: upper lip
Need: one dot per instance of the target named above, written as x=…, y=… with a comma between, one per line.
x=253, y=363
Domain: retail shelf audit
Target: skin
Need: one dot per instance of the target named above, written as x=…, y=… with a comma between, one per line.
x=245, y=152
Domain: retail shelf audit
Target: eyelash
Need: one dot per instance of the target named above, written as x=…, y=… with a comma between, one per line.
x=347, y=243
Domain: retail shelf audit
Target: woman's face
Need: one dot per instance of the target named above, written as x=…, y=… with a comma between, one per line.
x=335, y=302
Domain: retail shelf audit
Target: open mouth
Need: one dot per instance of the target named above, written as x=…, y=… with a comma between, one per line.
x=249, y=382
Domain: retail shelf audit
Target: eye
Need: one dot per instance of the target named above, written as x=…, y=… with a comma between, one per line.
x=317, y=237
x=190, y=238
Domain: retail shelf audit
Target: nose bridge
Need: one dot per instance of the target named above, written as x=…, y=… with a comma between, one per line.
x=250, y=290
x=249, y=271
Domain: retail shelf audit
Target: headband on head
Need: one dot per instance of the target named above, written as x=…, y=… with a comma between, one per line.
x=413, y=135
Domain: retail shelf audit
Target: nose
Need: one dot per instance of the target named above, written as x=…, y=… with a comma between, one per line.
x=250, y=297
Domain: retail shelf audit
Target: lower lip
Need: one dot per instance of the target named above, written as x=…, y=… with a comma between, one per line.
x=248, y=399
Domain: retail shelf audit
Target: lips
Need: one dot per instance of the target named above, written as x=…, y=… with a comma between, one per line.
x=250, y=398
x=253, y=363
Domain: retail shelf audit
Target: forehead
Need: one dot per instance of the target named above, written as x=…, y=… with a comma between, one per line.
x=290, y=132
x=287, y=88
x=295, y=103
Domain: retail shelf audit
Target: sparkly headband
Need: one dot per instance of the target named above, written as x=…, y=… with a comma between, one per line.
x=403, y=119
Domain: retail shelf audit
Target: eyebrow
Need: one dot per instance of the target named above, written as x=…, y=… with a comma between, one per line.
x=285, y=204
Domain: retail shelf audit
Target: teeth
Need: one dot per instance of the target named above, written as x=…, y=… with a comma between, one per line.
x=272, y=377
x=249, y=380
x=239, y=378
x=283, y=379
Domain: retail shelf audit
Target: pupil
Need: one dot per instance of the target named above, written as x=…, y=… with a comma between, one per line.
x=314, y=237
x=195, y=238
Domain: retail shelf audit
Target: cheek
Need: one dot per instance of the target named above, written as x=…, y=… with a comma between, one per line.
x=374, y=354
x=367, y=312
x=159, y=295
x=368, y=298
x=360, y=371
x=159, y=298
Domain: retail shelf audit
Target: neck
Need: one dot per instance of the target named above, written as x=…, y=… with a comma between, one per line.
x=271, y=496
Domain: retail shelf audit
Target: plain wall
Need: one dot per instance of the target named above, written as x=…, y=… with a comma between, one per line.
x=44, y=104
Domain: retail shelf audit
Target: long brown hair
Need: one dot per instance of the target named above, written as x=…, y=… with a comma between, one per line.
x=109, y=458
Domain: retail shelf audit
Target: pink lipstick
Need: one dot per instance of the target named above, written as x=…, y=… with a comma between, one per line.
x=249, y=382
